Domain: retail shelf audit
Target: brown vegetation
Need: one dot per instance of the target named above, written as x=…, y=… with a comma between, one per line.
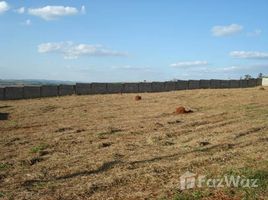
x=182, y=110
x=110, y=147
x=137, y=98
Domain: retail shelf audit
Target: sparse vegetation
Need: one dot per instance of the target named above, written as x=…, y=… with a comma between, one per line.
x=138, y=153
x=3, y=166
x=37, y=149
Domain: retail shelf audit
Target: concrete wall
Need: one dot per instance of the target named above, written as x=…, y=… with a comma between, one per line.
x=243, y=83
x=234, y=83
x=49, y=91
x=66, y=90
x=12, y=93
x=131, y=88
x=27, y=92
x=158, y=86
x=2, y=93
x=259, y=82
x=170, y=86
x=252, y=82
x=182, y=85
x=204, y=84
x=214, y=83
x=113, y=88
x=194, y=84
x=265, y=81
x=30, y=92
x=145, y=87
x=83, y=88
x=225, y=84
x=99, y=88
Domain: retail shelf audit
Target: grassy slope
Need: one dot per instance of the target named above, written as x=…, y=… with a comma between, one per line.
x=95, y=147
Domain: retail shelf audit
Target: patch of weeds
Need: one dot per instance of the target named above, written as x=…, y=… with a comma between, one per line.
x=12, y=123
x=37, y=149
x=110, y=131
x=195, y=195
x=200, y=149
x=251, y=106
x=2, y=194
x=4, y=166
x=251, y=193
x=34, y=185
x=162, y=198
x=39, y=185
x=49, y=108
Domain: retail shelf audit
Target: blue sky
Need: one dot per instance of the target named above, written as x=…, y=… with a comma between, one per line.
x=135, y=40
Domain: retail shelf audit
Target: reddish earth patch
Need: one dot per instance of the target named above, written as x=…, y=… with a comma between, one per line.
x=182, y=110
x=137, y=98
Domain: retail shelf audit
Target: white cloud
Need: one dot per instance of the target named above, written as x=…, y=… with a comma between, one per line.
x=232, y=29
x=28, y=22
x=190, y=64
x=249, y=54
x=132, y=68
x=229, y=69
x=53, y=12
x=69, y=50
x=255, y=33
x=3, y=6
x=20, y=10
x=83, y=9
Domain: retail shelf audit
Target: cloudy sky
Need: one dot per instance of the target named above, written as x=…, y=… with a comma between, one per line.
x=134, y=40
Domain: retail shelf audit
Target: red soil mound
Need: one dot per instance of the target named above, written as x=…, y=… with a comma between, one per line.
x=182, y=110
x=137, y=98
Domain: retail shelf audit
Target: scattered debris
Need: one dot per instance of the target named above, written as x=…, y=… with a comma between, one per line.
x=12, y=141
x=159, y=124
x=182, y=110
x=80, y=130
x=168, y=143
x=35, y=160
x=108, y=131
x=105, y=144
x=118, y=156
x=250, y=131
x=43, y=153
x=4, y=116
x=174, y=122
x=204, y=143
x=60, y=130
x=137, y=98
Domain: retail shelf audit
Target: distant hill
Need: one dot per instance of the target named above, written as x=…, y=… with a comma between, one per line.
x=9, y=82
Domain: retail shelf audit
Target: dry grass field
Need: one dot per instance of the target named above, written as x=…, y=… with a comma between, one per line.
x=113, y=147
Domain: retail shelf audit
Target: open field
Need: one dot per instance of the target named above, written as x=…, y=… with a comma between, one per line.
x=101, y=146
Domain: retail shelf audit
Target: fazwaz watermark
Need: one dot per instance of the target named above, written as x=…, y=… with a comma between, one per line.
x=190, y=180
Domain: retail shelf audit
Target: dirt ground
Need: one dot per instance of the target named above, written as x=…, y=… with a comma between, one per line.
x=113, y=147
